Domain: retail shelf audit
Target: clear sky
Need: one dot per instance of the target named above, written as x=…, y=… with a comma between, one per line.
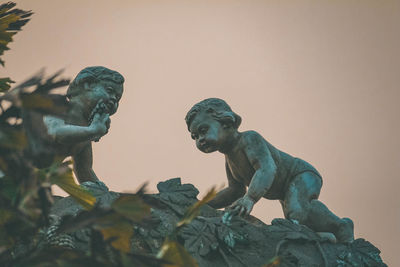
x=318, y=79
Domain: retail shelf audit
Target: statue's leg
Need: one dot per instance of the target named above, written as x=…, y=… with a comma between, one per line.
x=301, y=203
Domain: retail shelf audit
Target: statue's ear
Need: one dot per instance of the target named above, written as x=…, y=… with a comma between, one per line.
x=238, y=120
x=226, y=125
x=228, y=120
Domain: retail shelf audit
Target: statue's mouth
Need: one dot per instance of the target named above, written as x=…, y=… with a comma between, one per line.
x=102, y=107
x=110, y=106
x=207, y=148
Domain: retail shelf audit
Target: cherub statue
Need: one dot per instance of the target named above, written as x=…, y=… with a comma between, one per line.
x=252, y=161
x=92, y=97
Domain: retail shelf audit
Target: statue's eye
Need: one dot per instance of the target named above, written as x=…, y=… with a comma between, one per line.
x=203, y=130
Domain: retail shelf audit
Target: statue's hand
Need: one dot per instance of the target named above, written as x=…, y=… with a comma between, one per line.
x=100, y=125
x=100, y=108
x=242, y=206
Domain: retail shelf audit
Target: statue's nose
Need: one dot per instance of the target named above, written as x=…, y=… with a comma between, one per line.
x=202, y=140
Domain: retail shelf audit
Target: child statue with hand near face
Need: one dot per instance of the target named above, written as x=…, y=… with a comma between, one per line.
x=92, y=97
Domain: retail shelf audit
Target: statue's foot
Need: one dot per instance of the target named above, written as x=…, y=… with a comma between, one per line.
x=345, y=234
x=326, y=236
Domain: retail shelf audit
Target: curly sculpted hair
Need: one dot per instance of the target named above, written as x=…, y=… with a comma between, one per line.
x=93, y=74
x=218, y=109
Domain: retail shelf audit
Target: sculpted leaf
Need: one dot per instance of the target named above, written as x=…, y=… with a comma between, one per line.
x=173, y=191
x=194, y=210
x=231, y=233
x=292, y=230
x=200, y=237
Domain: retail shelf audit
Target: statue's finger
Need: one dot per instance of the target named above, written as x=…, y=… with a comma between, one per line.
x=96, y=116
x=228, y=216
x=235, y=210
x=99, y=102
x=242, y=211
x=248, y=211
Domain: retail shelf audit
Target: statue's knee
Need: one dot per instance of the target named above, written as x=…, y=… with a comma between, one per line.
x=298, y=215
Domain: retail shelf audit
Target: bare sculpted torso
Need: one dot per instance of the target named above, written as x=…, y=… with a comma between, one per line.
x=242, y=170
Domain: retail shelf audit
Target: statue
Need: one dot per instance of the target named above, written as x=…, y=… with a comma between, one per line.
x=92, y=97
x=267, y=172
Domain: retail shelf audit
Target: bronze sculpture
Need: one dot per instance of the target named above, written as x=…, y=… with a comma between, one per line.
x=267, y=172
x=92, y=97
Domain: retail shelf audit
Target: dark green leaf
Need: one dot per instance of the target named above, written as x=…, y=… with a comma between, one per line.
x=131, y=207
x=11, y=21
x=5, y=83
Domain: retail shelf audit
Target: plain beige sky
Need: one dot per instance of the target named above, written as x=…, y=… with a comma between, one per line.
x=318, y=79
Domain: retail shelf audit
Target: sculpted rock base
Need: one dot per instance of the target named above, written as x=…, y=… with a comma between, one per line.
x=214, y=239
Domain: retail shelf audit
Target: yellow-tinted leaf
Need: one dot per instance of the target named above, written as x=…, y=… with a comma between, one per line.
x=31, y=101
x=5, y=215
x=275, y=261
x=131, y=207
x=176, y=254
x=122, y=231
x=3, y=164
x=193, y=211
x=12, y=139
x=64, y=179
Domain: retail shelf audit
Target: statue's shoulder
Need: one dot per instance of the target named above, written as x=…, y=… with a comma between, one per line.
x=252, y=136
x=52, y=122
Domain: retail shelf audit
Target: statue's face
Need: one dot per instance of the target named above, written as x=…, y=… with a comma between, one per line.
x=107, y=91
x=208, y=133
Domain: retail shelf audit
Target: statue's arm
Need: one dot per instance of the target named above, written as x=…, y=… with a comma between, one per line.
x=260, y=158
x=227, y=196
x=70, y=134
x=83, y=161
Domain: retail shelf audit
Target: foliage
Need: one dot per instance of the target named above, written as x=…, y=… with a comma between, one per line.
x=275, y=261
x=175, y=253
x=11, y=21
x=194, y=210
x=61, y=175
x=25, y=190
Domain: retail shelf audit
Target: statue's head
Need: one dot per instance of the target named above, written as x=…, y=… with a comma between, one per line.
x=94, y=84
x=211, y=123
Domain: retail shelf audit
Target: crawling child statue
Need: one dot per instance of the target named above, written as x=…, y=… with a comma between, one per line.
x=92, y=97
x=267, y=172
